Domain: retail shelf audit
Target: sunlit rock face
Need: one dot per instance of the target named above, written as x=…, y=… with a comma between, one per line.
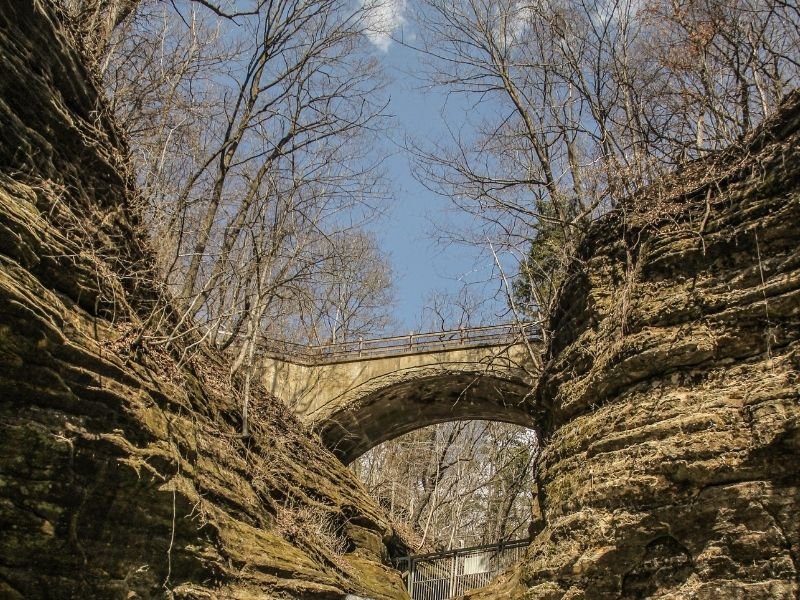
x=671, y=462
x=122, y=471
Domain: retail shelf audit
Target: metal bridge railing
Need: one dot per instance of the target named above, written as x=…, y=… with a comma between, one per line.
x=444, y=575
x=403, y=344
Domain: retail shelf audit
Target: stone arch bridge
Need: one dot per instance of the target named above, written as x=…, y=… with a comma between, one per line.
x=359, y=394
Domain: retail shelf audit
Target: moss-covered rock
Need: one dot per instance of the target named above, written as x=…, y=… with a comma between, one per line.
x=671, y=462
x=122, y=471
x=670, y=398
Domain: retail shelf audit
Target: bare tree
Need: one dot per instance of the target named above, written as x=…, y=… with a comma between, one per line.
x=453, y=484
x=297, y=96
x=251, y=133
x=724, y=67
x=580, y=103
x=254, y=136
x=351, y=298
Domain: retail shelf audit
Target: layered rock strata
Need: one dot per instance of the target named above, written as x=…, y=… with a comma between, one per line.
x=671, y=399
x=122, y=471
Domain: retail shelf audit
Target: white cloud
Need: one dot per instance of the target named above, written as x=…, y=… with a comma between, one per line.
x=513, y=21
x=384, y=17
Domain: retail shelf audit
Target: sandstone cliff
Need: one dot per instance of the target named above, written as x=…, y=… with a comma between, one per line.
x=670, y=400
x=122, y=474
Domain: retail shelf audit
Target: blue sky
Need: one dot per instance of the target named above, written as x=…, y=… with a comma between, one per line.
x=421, y=266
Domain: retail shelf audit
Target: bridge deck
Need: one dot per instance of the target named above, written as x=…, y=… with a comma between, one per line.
x=413, y=343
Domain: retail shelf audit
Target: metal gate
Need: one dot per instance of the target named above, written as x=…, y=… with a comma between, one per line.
x=443, y=575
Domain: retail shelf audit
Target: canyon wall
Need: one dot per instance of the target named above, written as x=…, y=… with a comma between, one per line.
x=122, y=471
x=670, y=399
x=669, y=405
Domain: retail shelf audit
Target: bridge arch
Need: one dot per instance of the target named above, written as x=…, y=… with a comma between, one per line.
x=360, y=398
x=408, y=400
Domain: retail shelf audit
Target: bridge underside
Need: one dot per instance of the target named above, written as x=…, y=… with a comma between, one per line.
x=403, y=407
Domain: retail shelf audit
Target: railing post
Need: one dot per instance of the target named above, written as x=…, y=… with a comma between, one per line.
x=412, y=342
x=453, y=568
x=500, y=546
x=411, y=573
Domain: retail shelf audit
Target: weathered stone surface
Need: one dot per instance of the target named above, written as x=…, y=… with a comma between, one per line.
x=671, y=466
x=671, y=393
x=357, y=404
x=122, y=474
x=316, y=391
